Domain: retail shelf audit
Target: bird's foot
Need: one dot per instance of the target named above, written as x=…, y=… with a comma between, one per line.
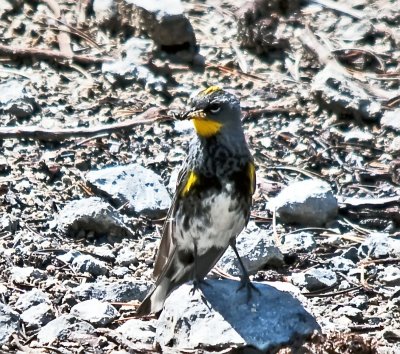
x=246, y=283
x=197, y=284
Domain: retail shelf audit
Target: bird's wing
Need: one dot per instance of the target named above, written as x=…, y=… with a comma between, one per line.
x=167, y=244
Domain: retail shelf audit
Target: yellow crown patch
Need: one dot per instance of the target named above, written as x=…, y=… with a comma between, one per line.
x=210, y=90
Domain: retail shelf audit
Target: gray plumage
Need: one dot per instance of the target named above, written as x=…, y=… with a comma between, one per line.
x=212, y=201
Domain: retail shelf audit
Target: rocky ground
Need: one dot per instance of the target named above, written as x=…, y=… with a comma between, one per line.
x=86, y=86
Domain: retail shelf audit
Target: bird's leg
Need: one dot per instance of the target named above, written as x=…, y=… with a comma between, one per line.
x=196, y=281
x=244, y=279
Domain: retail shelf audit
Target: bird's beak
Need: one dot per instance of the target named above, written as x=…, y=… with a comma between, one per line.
x=193, y=114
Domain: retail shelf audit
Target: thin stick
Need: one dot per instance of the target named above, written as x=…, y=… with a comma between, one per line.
x=31, y=132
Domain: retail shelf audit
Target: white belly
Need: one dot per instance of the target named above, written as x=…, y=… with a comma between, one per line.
x=224, y=222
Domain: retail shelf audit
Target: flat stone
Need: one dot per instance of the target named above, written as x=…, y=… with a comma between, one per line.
x=139, y=331
x=15, y=100
x=38, y=315
x=86, y=263
x=309, y=203
x=315, y=279
x=126, y=257
x=136, y=188
x=341, y=264
x=31, y=298
x=95, y=311
x=298, y=242
x=9, y=323
x=62, y=328
x=379, y=245
x=112, y=292
x=220, y=317
x=256, y=248
x=91, y=214
x=21, y=275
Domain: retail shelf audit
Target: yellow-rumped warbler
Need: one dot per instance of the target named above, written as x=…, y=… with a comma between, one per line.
x=212, y=199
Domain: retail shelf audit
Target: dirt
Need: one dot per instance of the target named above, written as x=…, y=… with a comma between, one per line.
x=295, y=130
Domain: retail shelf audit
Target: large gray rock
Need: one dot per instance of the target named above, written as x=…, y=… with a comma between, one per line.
x=220, y=317
x=140, y=331
x=37, y=316
x=87, y=263
x=9, y=323
x=309, y=203
x=91, y=214
x=115, y=292
x=256, y=248
x=164, y=22
x=31, y=298
x=62, y=328
x=136, y=188
x=94, y=311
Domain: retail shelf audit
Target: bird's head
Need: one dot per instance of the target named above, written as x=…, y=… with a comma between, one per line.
x=214, y=111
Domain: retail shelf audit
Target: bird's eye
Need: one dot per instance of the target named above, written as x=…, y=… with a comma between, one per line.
x=214, y=108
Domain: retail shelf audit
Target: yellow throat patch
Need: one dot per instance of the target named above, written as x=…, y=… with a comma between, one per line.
x=206, y=127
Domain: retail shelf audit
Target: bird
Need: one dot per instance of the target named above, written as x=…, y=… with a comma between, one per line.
x=212, y=201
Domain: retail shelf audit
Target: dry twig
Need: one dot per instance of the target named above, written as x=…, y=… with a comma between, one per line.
x=150, y=116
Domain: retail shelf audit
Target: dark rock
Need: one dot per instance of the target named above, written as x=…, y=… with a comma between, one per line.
x=9, y=323
x=38, y=315
x=140, y=189
x=256, y=248
x=31, y=298
x=91, y=214
x=309, y=203
x=344, y=95
x=164, y=22
x=185, y=320
x=69, y=256
x=15, y=100
x=115, y=292
x=62, y=328
x=139, y=331
x=315, y=279
x=86, y=263
x=351, y=253
x=95, y=311
x=297, y=242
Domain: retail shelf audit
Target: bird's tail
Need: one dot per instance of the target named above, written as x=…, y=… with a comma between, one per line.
x=154, y=301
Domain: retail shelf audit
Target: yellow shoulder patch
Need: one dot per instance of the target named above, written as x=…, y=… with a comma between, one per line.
x=210, y=90
x=191, y=181
x=251, y=170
